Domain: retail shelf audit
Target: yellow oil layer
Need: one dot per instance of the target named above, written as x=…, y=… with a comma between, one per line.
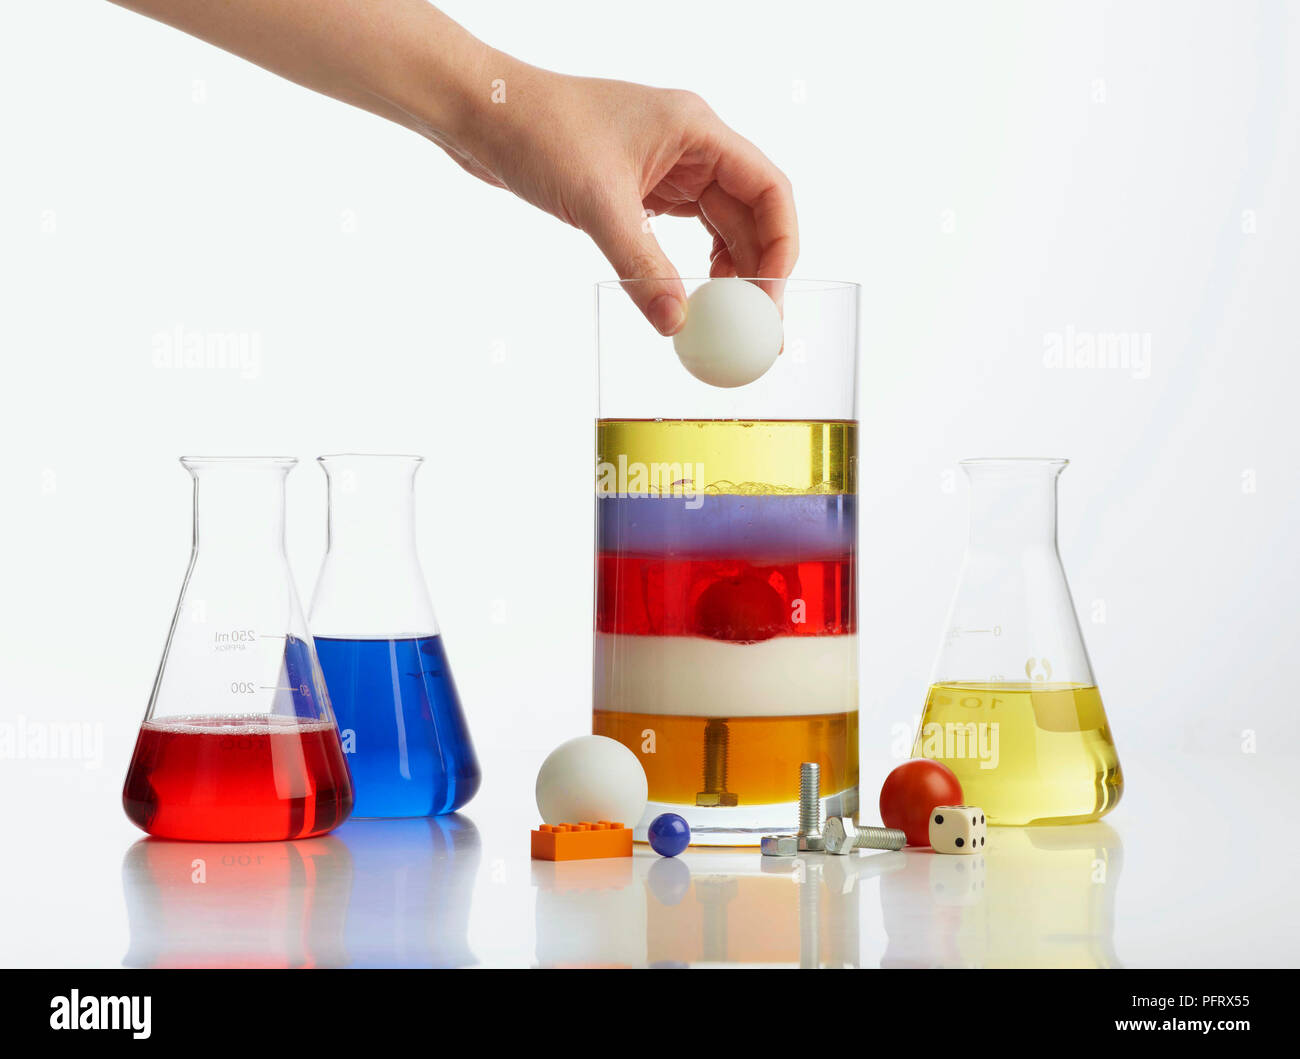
x=660, y=457
x=1024, y=753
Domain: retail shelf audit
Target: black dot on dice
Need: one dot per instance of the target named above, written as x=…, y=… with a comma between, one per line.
x=973, y=821
x=938, y=818
x=981, y=818
x=961, y=842
x=981, y=840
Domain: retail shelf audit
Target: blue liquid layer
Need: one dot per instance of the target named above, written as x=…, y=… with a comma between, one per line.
x=727, y=526
x=402, y=726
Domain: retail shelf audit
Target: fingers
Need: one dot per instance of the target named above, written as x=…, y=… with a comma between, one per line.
x=732, y=223
x=621, y=232
x=720, y=263
x=747, y=206
x=745, y=175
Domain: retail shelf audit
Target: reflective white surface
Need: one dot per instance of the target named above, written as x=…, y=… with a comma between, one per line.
x=1184, y=873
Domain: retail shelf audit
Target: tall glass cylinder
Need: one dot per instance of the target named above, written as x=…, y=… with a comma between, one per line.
x=726, y=648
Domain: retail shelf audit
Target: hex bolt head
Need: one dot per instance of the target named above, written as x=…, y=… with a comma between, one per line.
x=779, y=845
x=839, y=835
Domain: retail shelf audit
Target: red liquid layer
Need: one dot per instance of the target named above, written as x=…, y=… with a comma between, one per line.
x=724, y=599
x=237, y=779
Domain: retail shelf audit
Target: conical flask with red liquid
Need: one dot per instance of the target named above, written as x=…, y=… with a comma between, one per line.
x=239, y=743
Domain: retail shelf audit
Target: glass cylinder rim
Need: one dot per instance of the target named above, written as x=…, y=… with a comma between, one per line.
x=331, y=456
x=792, y=284
x=250, y=462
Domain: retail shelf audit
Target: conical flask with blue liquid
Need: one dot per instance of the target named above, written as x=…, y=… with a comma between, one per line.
x=399, y=716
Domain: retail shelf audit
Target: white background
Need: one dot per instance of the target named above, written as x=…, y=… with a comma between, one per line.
x=992, y=174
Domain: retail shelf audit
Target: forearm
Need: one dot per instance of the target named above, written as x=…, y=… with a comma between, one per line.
x=401, y=59
x=601, y=155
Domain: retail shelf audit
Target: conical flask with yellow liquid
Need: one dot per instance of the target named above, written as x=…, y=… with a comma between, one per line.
x=1013, y=708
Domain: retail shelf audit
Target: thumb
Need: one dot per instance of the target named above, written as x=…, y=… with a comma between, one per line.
x=624, y=236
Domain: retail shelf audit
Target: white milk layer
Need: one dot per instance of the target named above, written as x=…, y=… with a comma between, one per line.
x=691, y=676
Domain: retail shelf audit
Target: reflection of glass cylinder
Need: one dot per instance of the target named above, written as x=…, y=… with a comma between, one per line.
x=1014, y=709
x=239, y=743
x=398, y=711
x=726, y=525
x=704, y=914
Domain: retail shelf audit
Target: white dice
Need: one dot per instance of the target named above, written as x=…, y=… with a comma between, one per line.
x=957, y=829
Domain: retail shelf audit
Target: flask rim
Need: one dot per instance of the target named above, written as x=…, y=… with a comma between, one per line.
x=412, y=457
x=1014, y=461
x=252, y=462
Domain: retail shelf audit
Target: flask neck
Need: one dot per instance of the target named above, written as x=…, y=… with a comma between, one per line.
x=372, y=505
x=371, y=585
x=239, y=505
x=1013, y=504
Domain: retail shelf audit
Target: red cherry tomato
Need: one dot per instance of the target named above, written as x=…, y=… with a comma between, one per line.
x=911, y=791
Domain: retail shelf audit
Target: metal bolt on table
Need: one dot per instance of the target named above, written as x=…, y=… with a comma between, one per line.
x=843, y=836
x=810, y=807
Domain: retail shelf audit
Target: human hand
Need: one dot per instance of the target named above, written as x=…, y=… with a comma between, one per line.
x=602, y=156
x=605, y=156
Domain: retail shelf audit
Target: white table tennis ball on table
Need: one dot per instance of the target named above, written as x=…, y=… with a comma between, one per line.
x=591, y=778
x=732, y=333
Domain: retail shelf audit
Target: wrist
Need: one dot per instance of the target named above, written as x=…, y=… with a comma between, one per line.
x=442, y=84
x=499, y=101
x=477, y=107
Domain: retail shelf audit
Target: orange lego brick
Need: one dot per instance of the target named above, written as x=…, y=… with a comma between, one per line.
x=582, y=841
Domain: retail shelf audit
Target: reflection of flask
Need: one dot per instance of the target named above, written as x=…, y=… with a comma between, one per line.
x=1053, y=899
x=238, y=743
x=1014, y=709
x=1040, y=897
x=412, y=887
x=400, y=717
x=236, y=904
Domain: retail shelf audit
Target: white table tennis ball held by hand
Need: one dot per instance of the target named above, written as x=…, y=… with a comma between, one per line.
x=732, y=334
x=591, y=778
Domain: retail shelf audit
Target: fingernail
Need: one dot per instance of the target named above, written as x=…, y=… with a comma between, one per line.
x=667, y=314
